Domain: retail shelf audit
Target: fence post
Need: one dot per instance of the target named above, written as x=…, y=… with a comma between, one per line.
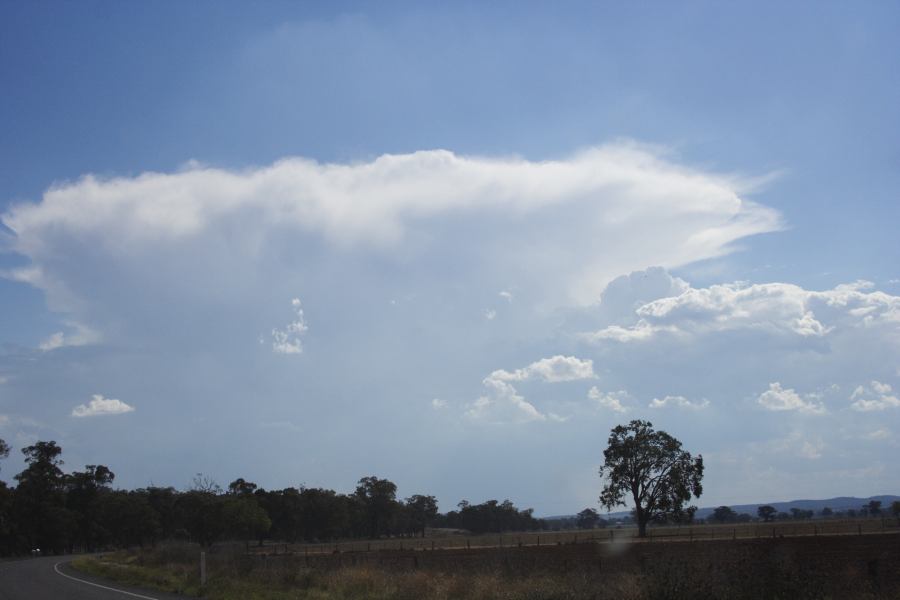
x=203, y=568
x=468, y=545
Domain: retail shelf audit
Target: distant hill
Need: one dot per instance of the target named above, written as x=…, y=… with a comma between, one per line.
x=835, y=504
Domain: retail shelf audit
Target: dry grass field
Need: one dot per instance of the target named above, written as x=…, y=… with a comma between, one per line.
x=804, y=566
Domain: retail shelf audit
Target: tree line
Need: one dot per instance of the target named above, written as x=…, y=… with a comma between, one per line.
x=59, y=512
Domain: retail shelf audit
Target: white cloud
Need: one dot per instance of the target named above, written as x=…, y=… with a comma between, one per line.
x=438, y=404
x=877, y=435
x=101, y=406
x=552, y=370
x=4, y=419
x=506, y=295
x=876, y=396
x=796, y=443
x=812, y=449
x=679, y=402
x=287, y=340
x=614, y=208
x=611, y=400
x=80, y=336
x=503, y=403
x=777, y=398
x=772, y=308
x=490, y=314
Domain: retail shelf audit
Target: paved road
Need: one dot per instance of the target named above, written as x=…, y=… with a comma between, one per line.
x=51, y=578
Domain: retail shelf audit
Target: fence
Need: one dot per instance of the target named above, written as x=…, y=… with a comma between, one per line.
x=686, y=533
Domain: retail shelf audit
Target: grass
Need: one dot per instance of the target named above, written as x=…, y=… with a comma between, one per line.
x=825, y=568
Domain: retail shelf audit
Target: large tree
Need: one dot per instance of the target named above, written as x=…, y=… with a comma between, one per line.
x=379, y=502
x=767, y=513
x=651, y=469
x=39, y=505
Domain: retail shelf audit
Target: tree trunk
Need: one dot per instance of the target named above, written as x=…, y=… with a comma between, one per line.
x=642, y=526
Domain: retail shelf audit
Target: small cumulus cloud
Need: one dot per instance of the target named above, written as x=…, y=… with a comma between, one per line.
x=679, y=402
x=506, y=295
x=438, y=404
x=287, y=340
x=503, y=403
x=101, y=406
x=490, y=314
x=778, y=399
x=609, y=400
x=876, y=396
x=551, y=370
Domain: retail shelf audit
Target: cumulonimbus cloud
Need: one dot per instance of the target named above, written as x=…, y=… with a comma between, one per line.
x=558, y=230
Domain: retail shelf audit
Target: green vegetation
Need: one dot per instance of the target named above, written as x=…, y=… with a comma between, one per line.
x=650, y=468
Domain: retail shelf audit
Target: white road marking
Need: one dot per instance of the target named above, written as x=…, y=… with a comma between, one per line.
x=132, y=594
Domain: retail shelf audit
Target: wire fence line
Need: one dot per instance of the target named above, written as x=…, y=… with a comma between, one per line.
x=684, y=533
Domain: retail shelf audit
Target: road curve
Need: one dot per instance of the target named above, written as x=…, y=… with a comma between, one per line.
x=51, y=578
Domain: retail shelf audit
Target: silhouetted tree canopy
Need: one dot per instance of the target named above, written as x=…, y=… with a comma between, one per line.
x=650, y=468
x=767, y=513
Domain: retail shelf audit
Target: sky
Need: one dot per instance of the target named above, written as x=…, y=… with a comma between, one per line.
x=453, y=245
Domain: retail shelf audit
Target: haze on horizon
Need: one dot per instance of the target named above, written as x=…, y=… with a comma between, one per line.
x=452, y=246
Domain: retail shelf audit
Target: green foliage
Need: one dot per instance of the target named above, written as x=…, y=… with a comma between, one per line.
x=378, y=499
x=244, y=519
x=767, y=513
x=651, y=469
x=490, y=517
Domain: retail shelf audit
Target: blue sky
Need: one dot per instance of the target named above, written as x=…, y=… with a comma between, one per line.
x=507, y=228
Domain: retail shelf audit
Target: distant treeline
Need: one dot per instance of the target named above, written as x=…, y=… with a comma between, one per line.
x=58, y=512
